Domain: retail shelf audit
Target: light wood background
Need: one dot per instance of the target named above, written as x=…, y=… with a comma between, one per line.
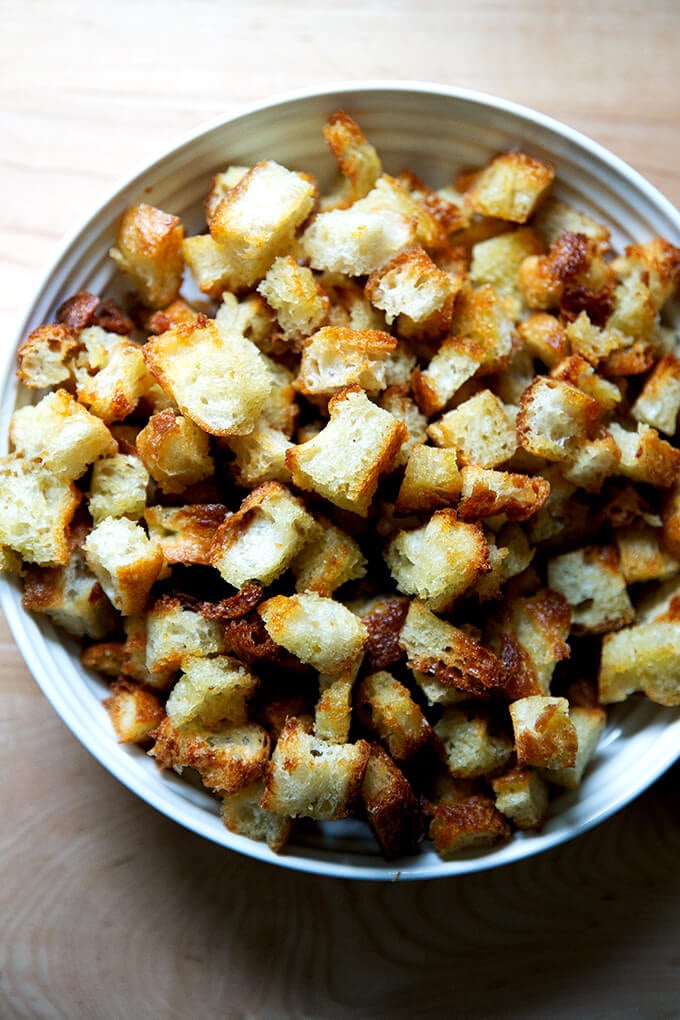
x=107, y=910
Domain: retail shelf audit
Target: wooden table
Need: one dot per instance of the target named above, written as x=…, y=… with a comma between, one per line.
x=107, y=910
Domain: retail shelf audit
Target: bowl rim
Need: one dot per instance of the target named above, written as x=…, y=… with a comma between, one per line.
x=303, y=860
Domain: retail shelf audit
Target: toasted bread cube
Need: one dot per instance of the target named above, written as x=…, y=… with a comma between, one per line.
x=312, y=778
x=646, y=658
x=185, y=533
x=209, y=264
x=437, y=649
x=61, y=434
x=554, y=417
x=148, y=250
x=436, y=692
x=481, y=430
x=485, y=493
x=544, y=733
x=174, y=635
x=135, y=711
x=438, y=561
x=529, y=637
x=243, y=815
x=522, y=796
x=660, y=262
x=44, y=356
x=391, y=807
x=645, y=457
x=455, y=362
x=590, y=342
x=227, y=399
x=387, y=711
x=592, y=461
x=589, y=724
x=509, y=555
x=472, y=824
x=318, y=631
x=335, y=357
x=396, y=400
x=481, y=318
x=431, y=480
x=544, y=337
x=114, y=391
x=248, y=316
x=358, y=161
x=497, y=261
x=227, y=759
x=125, y=562
x=260, y=456
x=71, y=596
x=510, y=186
x=333, y=711
x=260, y=540
x=581, y=374
x=413, y=290
x=328, y=560
x=391, y=194
x=36, y=508
x=555, y=217
x=659, y=402
x=344, y=461
x=633, y=312
x=471, y=748
x=175, y=451
x=211, y=691
x=300, y=305
x=641, y=556
x=118, y=487
x=221, y=185
x=592, y=583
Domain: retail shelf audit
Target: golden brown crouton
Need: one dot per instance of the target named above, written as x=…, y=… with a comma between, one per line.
x=175, y=451
x=36, y=508
x=480, y=430
x=333, y=711
x=358, y=161
x=299, y=303
x=71, y=596
x=555, y=217
x=529, y=637
x=185, y=533
x=243, y=815
x=589, y=724
x=148, y=250
x=227, y=759
x=522, y=796
x=471, y=824
x=659, y=402
x=645, y=657
x=44, y=356
x=510, y=186
x=431, y=479
x=335, y=357
x=641, y=556
x=590, y=341
x=497, y=261
x=581, y=374
x=554, y=416
x=391, y=807
x=592, y=583
x=592, y=461
x=659, y=261
x=319, y=631
x=544, y=734
x=113, y=389
x=481, y=319
x=328, y=560
x=211, y=690
x=173, y=635
x=671, y=521
x=544, y=337
x=118, y=487
x=485, y=492
x=472, y=747
x=645, y=457
x=135, y=711
x=125, y=561
x=209, y=263
x=411, y=289
x=454, y=363
x=386, y=710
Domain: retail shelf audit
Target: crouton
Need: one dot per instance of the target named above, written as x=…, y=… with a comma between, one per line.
x=554, y=217
x=641, y=556
x=391, y=807
x=472, y=748
x=396, y=400
x=148, y=250
x=36, y=508
x=211, y=691
x=260, y=540
x=645, y=657
x=174, y=635
x=522, y=796
x=497, y=261
x=116, y=388
x=485, y=492
x=645, y=457
x=344, y=461
x=411, y=289
x=590, y=342
x=227, y=759
x=125, y=562
x=482, y=320
x=224, y=401
x=383, y=617
x=392, y=194
x=260, y=456
x=554, y=417
x=387, y=711
x=118, y=488
x=578, y=372
x=592, y=461
x=509, y=555
x=335, y=357
x=510, y=186
x=243, y=815
x=671, y=521
x=544, y=337
x=591, y=581
x=44, y=356
x=659, y=402
x=437, y=649
x=135, y=711
x=312, y=778
x=221, y=185
x=431, y=479
x=333, y=711
x=71, y=596
x=529, y=637
x=544, y=733
x=357, y=159
x=328, y=560
x=454, y=363
x=291, y=290
x=481, y=431
x=318, y=631
x=589, y=724
x=175, y=451
x=209, y=264
x=472, y=824
x=185, y=533
x=659, y=261
x=61, y=434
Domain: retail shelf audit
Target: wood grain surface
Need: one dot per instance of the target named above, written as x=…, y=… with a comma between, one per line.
x=107, y=909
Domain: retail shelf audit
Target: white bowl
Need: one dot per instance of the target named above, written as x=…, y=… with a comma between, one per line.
x=434, y=131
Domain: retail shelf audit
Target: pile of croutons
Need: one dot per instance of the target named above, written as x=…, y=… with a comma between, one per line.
x=377, y=526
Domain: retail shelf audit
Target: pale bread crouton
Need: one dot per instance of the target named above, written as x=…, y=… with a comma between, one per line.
x=309, y=777
x=431, y=479
x=386, y=709
x=634, y=314
x=257, y=219
x=344, y=461
x=227, y=759
x=554, y=417
x=413, y=290
x=437, y=649
x=472, y=748
x=497, y=261
x=591, y=581
x=529, y=637
x=436, y=692
x=485, y=493
x=281, y=410
x=118, y=487
x=260, y=540
x=544, y=337
x=61, y=434
x=510, y=186
x=474, y=823
x=641, y=555
x=125, y=562
x=554, y=517
x=480, y=430
x=333, y=711
x=209, y=264
x=114, y=390
x=658, y=404
x=175, y=451
x=217, y=378
x=438, y=561
x=391, y=807
x=645, y=657
x=581, y=374
x=522, y=796
x=445, y=207
x=44, y=356
x=36, y=508
x=513, y=378
x=592, y=461
x=453, y=364
x=589, y=724
x=396, y=400
x=318, y=631
x=71, y=596
x=248, y=316
x=349, y=305
x=135, y=711
x=173, y=635
x=554, y=217
x=482, y=320
x=243, y=815
x=591, y=342
x=185, y=533
x=260, y=456
x=221, y=185
x=329, y=559
x=660, y=262
x=509, y=555
x=148, y=250
x=391, y=194
x=211, y=690
x=645, y=457
x=545, y=736
x=358, y=160
x=336, y=356
x=299, y=303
